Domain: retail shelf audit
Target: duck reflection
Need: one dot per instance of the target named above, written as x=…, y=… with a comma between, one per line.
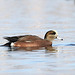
x=51, y=49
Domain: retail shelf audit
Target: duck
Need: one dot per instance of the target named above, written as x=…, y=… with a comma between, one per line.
x=32, y=40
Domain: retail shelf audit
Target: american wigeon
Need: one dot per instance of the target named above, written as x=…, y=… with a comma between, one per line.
x=32, y=40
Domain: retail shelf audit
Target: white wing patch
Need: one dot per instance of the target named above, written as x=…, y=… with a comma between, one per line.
x=27, y=41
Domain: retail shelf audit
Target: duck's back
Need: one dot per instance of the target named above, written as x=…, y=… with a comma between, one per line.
x=29, y=38
x=23, y=38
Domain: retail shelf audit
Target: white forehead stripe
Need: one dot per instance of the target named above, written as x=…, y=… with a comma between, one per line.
x=56, y=32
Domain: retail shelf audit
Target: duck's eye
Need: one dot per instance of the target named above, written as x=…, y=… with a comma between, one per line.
x=56, y=37
x=52, y=33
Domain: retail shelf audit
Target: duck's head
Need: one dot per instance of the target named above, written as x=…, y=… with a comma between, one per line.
x=51, y=35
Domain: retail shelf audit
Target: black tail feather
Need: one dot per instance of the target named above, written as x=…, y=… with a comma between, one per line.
x=11, y=39
x=7, y=44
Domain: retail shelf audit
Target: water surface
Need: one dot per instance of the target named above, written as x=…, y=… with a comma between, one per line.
x=20, y=17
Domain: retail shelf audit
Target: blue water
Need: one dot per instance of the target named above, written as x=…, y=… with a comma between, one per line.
x=20, y=17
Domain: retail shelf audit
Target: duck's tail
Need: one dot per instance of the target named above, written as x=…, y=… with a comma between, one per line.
x=7, y=44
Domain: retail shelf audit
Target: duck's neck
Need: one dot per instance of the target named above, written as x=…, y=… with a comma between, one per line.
x=48, y=38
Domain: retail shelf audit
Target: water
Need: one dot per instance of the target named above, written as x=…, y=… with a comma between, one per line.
x=19, y=17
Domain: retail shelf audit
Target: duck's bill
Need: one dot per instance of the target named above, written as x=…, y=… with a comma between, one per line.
x=59, y=38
